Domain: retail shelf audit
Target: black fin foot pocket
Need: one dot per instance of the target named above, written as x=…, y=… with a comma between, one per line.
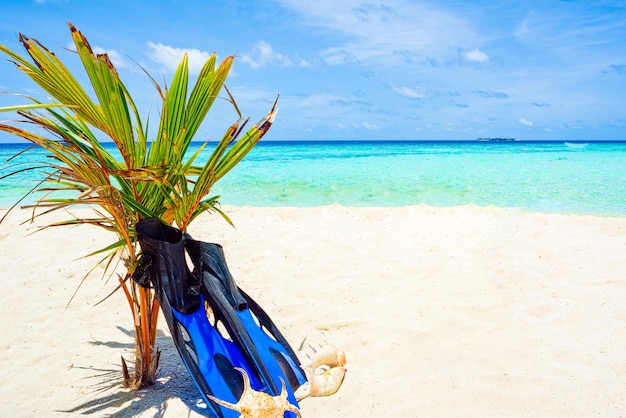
x=141, y=275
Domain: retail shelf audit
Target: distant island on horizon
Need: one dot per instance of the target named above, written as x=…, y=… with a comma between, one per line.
x=496, y=139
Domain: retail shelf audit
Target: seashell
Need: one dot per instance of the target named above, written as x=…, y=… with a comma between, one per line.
x=254, y=404
x=325, y=373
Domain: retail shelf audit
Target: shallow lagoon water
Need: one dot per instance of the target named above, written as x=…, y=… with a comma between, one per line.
x=582, y=178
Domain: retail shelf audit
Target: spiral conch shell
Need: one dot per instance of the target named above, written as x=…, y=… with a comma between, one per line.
x=254, y=404
x=325, y=373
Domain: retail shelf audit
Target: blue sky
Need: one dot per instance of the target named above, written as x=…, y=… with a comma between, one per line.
x=344, y=69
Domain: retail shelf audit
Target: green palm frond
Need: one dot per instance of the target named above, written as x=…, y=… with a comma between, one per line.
x=152, y=178
x=139, y=178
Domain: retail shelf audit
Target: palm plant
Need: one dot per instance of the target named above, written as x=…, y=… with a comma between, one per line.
x=150, y=177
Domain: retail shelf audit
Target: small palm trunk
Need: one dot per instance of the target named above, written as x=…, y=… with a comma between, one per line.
x=162, y=266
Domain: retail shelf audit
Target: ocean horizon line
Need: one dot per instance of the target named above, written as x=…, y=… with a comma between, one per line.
x=481, y=141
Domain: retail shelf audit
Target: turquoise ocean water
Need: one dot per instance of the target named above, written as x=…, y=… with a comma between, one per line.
x=579, y=178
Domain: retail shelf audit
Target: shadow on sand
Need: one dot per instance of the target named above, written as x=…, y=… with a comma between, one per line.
x=109, y=399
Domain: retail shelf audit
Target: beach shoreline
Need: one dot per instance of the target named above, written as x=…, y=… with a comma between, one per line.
x=442, y=311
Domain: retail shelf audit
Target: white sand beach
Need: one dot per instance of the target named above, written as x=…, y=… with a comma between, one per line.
x=442, y=312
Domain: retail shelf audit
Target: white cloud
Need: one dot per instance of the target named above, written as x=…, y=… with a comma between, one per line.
x=365, y=125
x=385, y=33
x=303, y=63
x=476, y=55
x=339, y=56
x=263, y=55
x=413, y=93
x=526, y=122
x=170, y=57
x=321, y=101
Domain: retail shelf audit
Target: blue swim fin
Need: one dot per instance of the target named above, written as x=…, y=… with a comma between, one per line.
x=248, y=325
x=215, y=326
x=210, y=359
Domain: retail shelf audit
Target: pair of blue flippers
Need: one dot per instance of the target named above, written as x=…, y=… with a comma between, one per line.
x=216, y=326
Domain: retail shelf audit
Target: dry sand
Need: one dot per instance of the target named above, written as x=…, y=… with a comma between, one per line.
x=443, y=312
